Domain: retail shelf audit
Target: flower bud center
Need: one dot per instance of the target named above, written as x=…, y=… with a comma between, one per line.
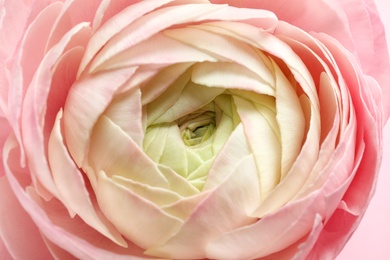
x=195, y=129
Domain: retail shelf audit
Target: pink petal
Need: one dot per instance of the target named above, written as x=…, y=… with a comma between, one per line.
x=18, y=232
x=4, y=254
x=53, y=220
x=34, y=110
x=370, y=44
x=347, y=22
x=170, y=52
x=234, y=50
x=114, y=26
x=161, y=19
x=72, y=13
x=26, y=61
x=63, y=77
x=108, y=9
x=5, y=130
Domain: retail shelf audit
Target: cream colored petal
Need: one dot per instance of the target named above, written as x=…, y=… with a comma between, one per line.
x=263, y=140
x=230, y=76
x=71, y=186
x=298, y=173
x=85, y=104
x=115, y=153
x=192, y=97
x=234, y=199
x=231, y=154
x=125, y=111
x=290, y=119
x=140, y=221
x=158, y=196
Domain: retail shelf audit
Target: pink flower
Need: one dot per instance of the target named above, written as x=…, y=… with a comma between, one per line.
x=185, y=129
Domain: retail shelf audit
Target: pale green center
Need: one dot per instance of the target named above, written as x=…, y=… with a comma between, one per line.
x=195, y=131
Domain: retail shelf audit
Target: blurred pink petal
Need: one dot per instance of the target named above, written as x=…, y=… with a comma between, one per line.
x=18, y=232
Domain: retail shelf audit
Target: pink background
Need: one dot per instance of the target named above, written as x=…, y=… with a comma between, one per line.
x=372, y=238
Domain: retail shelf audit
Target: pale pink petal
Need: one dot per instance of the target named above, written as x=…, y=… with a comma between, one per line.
x=268, y=43
x=168, y=98
x=234, y=50
x=18, y=232
x=4, y=254
x=53, y=221
x=25, y=63
x=235, y=198
x=330, y=17
x=108, y=9
x=5, y=130
x=161, y=19
x=301, y=248
x=72, y=13
x=370, y=44
x=354, y=23
x=85, y=104
x=34, y=110
x=115, y=25
x=170, y=52
x=231, y=154
x=14, y=18
x=15, y=14
x=63, y=77
x=56, y=251
x=270, y=234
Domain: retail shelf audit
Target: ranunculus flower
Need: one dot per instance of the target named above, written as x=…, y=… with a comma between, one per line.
x=185, y=129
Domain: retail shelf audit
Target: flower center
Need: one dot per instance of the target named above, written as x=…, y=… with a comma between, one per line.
x=195, y=128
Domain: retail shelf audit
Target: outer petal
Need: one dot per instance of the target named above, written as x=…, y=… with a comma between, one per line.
x=72, y=187
x=275, y=231
x=347, y=21
x=4, y=254
x=34, y=109
x=14, y=18
x=53, y=222
x=18, y=232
